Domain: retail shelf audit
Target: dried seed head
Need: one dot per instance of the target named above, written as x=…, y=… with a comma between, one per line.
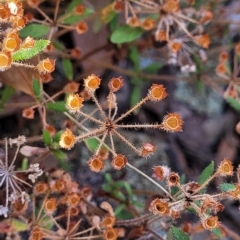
x=118, y=6
x=223, y=56
x=86, y=192
x=46, y=66
x=11, y=42
x=75, y=53
x=67, y=139
x=50, y=47
x=46, y=77
x=28, y=113
x=96, y=163
x=157, y=92
x=147, y=149
x=225, y=168
x=28, y=43
x=221, y=69
x=41, y=188
x=160, y=207
x=5, y=60
x=160, y=172
x=235, y=193
x=161, y=36
x=73, y=199
x=210, y=223
x=148, y=24
x=133, y=22
x=50, y=205
x=206, y=17
x=170, y=6
x=85, y=95
x=29, y=17
x=81, y=27
x=119, y=162
x=108, y=221
x=36, y=234
x=175, y=46
x=172, y=123
x=191, y=187
x=19, y=22
x=59, y=186
x=74, y=211
x=203, y=40
x=174, y=214
x=51, y=129
x=110, y=234
x=92, y=83
x=173, y=179
x=71, y=87
x=4, y=13
x=74, y=103
x=79, y=9
x=115, y=84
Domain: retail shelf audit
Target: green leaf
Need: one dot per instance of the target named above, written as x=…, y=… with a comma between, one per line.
x=234, y=103
x=24, y=164
x=92, y=143
x=206, y=173
x=119, y=209
x=108, y=17
x=129, y=190
x=37, y=88
x=114, y=23
x=7, y=94
x=18, y=225
x=217, y=232
x=27, y=53
x=59, y=154
x=57, y=106
x=67, y=68
x=76, y=18
x=135, y=96
x=152, y=68
x=135, y=57
x=125, y=34
x=58, y=45
x=34, y=30
x=47, y=138
x=227, y=187
x=179, y=234
x=56, y=137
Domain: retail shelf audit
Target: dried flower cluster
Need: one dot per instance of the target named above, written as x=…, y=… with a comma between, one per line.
x=66, y=207
x=11, y=13
x=11, y=179
x=110, y=125
x=224, y=71
x=190, y=195
x=172, y=23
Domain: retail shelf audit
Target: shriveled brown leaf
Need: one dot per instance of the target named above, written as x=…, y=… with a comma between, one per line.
x=20, y=78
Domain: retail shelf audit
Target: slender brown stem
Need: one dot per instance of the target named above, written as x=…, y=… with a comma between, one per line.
x=92, y=133
x=131, y=109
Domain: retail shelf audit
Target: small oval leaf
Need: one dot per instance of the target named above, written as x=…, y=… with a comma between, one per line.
x=34, y=30
x=57, y=106
x=67, y=68
x=27, y=53
x=125, y=34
